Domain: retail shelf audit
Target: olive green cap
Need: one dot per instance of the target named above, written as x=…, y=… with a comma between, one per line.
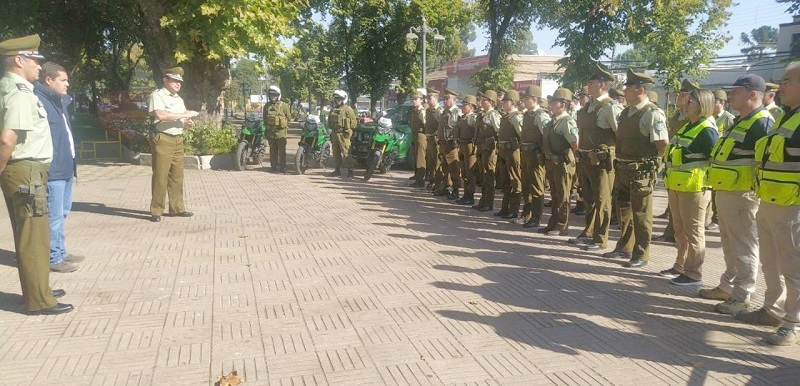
x=601, y=73
x=450, y=92
x=174, y=73
x=563, y=93
x=471, y=100
x=687, y=86
x=27, y=46
x=533, y=91
x=772, y=86
x=488, y=94
x=721, y=94
x=635, y=78
x=511, y=95
x=584, y=91
x=653, y=96
x=432, y=91
x=614, y=93
x=545, y=103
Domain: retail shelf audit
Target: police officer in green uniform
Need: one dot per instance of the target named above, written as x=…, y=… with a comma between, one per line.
x=432, y=113
x=597, y=123
x=26, y=150
x=448, y=182
x=341, y=122
x=769, y=100
x=416, y=122
x=559, y=142
x=641, y=139
x=276, y=121
x=532, y=158
x=467, y=151
x=508, y=145
x=486, y=140
x=170, y=116
x=723, y=118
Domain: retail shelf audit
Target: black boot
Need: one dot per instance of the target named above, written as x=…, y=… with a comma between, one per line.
x=503, y=207
x=513, y=206
x=453, y=194
x=335, y=173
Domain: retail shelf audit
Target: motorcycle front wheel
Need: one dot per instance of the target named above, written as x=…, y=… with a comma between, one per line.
x=324, y=155
x=242, y=154
x=300, y=161
x=373, y=159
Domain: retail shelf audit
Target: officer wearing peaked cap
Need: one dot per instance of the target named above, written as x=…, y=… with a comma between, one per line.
x=416, y=122
x=432, y=114
x=597, y=124
x=508, y=145
x=532, y=158
x=641, y=139
x=170, y=117
x=559, y=141
x=769, y=99
x=24, y=164
x=487, y=148
x=467, y=152
x=723, y=118
x=448, y=182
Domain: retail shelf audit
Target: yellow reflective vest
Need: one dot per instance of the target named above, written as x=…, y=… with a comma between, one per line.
x=732, y=168
x=778, y=174
x=686, y=172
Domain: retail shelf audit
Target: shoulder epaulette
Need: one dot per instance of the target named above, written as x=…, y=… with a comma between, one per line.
x=23, y=87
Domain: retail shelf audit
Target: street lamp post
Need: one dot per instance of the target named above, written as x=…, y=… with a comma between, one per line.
x=424, y=30
x=262, y=80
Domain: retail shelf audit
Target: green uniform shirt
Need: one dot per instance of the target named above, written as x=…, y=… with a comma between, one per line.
x=21, y=110
x=653, y=124
x=566, y=127
x=276, y=118
x=724, y=120
x=607, y=116
x=162, y=100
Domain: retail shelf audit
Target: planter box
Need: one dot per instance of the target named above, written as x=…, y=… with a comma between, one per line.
x=217, y=161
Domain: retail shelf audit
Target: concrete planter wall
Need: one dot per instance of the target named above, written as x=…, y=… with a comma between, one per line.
x=217, y=161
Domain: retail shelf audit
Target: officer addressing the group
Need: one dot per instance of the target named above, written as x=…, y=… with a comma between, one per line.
x=170, y=118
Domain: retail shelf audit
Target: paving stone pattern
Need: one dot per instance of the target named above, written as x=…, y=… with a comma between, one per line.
x=306, y=279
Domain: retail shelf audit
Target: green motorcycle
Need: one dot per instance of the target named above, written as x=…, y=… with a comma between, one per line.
x=314, y=146
x=251, y=149
x=382, y=149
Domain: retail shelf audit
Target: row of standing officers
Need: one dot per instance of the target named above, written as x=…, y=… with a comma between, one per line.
x=537, y=147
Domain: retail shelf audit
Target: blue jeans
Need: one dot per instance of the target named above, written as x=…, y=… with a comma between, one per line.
x=59, y=203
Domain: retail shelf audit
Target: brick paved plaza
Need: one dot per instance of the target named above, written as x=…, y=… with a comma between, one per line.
x=305, y=279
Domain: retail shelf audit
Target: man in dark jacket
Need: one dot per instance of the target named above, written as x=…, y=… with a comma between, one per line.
x=52, y=92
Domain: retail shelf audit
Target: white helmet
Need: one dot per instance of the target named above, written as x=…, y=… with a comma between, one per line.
x=341, y=94
x=422, y=91
x=274, y=90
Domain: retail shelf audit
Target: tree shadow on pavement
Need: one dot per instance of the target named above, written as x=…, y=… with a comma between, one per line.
x=8, y=258
x=549, y=295
x=93, y=207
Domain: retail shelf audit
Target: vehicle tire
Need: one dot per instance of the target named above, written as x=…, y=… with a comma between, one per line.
x=242, y=154
x=300, y=162
x=373, y=160
x=325, y=152
x=385, y=166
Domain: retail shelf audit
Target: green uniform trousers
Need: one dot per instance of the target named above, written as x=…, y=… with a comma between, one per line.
x=635, y=205
x=432, y=163
x=451, y=168
x=560, y=176
x=167, y=173
x=277, y=152
x=596, y=186
x=512, y=174
x=340, y=146
x=532, y=169
x=469, y=168
x=487, y=167
x=31, y=228
x=420, y=161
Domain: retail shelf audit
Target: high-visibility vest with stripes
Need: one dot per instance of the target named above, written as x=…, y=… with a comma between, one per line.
x=778, y=166
x=733, y=169
x=686, y=172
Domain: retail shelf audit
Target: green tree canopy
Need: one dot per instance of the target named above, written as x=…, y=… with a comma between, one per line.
x=759, y=40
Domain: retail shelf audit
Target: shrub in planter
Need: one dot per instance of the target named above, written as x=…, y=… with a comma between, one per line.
x=204, y=137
